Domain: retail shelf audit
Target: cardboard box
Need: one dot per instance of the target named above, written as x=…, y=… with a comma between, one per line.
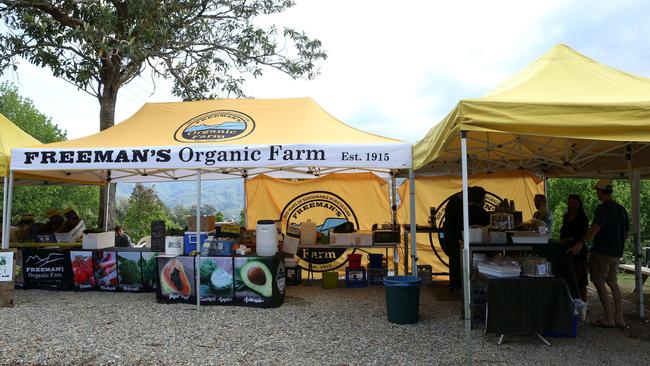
x=98, y=240
x=73, y=235
x=340, y=238
x=207, y=223
x=290, y=245
x=361, y=237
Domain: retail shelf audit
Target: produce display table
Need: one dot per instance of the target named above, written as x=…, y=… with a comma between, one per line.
x=111, y=269
x=224, y=280
x=528, y=305
x=310, y=248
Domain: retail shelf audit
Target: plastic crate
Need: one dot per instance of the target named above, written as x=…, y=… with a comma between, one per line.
x=376, y=275
x=293, y=276
x=189, y=241
x=356, y=277
x=425, y=272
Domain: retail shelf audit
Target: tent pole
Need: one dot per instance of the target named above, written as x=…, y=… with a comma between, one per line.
x=635, y=181
x=197, y=259
x=108, y=194
x=414, y=258
x=636, y=207
x=245, y=218
x=393, y=197
x=5, y=233
x=4, y=210
x=466, y=259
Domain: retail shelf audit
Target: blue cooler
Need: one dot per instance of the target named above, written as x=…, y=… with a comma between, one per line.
x=189, y=241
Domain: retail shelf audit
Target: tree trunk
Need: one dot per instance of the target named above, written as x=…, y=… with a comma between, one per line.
x=107, y=119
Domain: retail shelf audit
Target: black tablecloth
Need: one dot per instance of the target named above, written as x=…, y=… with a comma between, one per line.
x=561, y=262
x=528, y=306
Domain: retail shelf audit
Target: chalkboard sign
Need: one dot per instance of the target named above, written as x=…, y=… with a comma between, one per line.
x=158, y=236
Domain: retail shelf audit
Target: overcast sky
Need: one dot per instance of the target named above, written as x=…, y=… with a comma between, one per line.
x=397, y=68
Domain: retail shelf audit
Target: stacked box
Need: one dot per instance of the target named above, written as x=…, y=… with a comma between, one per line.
x=424, y=272
x=479, y=304
x=376, y=275
x=294, y=276
x=356, y=277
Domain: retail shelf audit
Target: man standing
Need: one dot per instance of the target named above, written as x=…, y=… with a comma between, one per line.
x=609, y=230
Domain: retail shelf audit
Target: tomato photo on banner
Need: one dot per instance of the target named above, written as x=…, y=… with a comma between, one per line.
x=82, y=270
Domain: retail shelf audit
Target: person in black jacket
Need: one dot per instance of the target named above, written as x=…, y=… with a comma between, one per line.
x=575, y=224
x=452, y=228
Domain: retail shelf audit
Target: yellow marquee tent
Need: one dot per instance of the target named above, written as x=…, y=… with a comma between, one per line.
x=225, y=138
x=11, y=136
x=564, y=115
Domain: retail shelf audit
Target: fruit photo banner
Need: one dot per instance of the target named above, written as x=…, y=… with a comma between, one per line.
x=361, y=198
x=520, y=186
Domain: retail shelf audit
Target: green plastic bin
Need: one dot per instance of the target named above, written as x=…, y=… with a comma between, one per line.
x=402, y=298
x=330, y=280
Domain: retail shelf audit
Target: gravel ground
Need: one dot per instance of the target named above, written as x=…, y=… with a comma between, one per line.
x=313, y=327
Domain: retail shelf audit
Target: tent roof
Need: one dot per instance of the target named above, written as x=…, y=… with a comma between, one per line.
x=11, y=136
x=223, y=125
x=565, y=115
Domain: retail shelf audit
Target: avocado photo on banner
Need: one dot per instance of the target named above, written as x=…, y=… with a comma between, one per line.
x=254, y=280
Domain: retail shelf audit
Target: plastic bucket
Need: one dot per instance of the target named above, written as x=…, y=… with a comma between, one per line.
x=376, y=260
x=330, y=280
x=354, y=260
x=402, y=298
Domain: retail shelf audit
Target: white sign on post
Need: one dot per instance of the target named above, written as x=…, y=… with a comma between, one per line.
x=6, y=266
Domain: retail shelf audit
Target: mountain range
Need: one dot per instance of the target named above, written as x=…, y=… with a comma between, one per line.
x=226, y=196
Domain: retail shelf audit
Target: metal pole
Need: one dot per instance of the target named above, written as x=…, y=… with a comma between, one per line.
x=106, y=208
x=635, y=181
x=197, y=259
x=4, y=210
x=5, y=235
x=466, y=259
x=393, y=197
x=414, y=258
x=636, y=209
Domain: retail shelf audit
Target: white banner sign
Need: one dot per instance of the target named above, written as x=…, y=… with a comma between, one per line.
x=6, y=266
x=390, y=155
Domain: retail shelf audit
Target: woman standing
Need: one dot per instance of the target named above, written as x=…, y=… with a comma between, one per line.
x=575, y=224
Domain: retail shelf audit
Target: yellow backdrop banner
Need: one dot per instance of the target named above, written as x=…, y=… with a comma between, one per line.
x=519, y=186
x=360, y=198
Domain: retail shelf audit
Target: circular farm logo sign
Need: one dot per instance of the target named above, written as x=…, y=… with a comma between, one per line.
x=491, y=203
x=326, y=210
x=220, y=125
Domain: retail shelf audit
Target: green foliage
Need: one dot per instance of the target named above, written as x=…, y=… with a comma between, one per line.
x=206, y=47
x=559, y=190
x=37, y=200
x=22, y=113
x=142, y=208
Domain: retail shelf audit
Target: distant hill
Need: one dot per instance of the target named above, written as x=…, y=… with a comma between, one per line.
x=226, y=196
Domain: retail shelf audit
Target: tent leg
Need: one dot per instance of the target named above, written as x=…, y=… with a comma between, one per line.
x=466, y=259
x=4, y=210
x=245, y=214
x=106, y=208
x=393, y=197
x=7, y=212
x=414, y=258
x=197, y=259
x=636, y=216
